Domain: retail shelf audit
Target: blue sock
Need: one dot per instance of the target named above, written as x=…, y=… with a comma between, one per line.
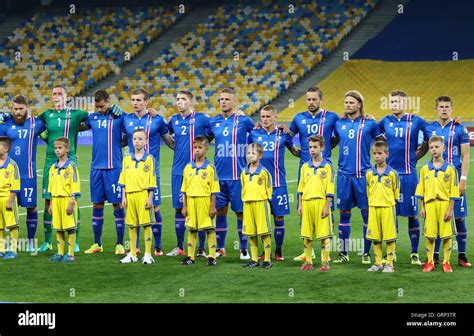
x=437, y=246
x=202, y=239
x=31, y=224
x=97, y=224
x=243, y=239
x=414, y=232
x=221, y=231
x=279, y=233
x=365, y=219
x=180, y=228
x=157, y=229
x=344, y=231
x=119, y=225
x=461, y=238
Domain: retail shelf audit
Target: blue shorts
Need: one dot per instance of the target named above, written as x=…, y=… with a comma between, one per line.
x=279, y=202
x=176, y=194
x=231, y=191
x=351, y=192
x=104, y=185
x=460, y=207
x=27, y=195
x=157, y=192
x=407, y=205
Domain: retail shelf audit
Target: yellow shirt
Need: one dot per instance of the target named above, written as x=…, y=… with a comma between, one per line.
x=383, y=190
x=441, y=184
x=138, y=175
x=64, y=180
x=256, y=186
x=316, y=182
x=9, y=178
x=200, y=181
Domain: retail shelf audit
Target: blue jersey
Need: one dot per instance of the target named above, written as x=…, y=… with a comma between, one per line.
x=24, y=143
x=454, y=136
x=274, y=144
x=402, y=139
x=230, y=139
x=107, y=138
x=306, y=125
x=185, y=130
x=154, y=128
x=354, y=145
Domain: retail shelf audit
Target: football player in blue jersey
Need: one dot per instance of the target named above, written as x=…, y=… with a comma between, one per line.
x=230, y=130
x=355, y=133
x=23, y=130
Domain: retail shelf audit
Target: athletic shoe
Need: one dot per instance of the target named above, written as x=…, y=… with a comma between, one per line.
x=306, y=267
x=463, y=262
x=429, y=267
x=2, y=254
x=324, y=267
x=221, y=253
x=187, y=261
x=56, y=257
x=30, y=247
x=147, y=259
x=119, y=249
x=95, y=248
x=375, y=268
x=211, y=262
x=447, y=267
x=384, y=260
x=266, y=265
x=175, y=252
x=158, y=252
x=128, y=259
x=366, y=259
x=388, y=269
x=68, y=259
x=415, y=259
x=341, y=258
x=302, y=257
x=244, y=255
x=201, y=253
x=251, y=264
x=279, y=257
x=76, y=248
x=10, y=255
x=45, y=247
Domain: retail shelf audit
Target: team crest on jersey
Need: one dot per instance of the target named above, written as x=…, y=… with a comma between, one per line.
x=7, y=174
x=146, y=168
x=204, y=175
x=323, y=174
x=388, y=182
x=446, y=177
x=67, y=173
x=260, y=181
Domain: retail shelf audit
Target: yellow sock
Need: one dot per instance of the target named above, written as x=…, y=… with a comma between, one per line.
x=212, y=242
x=308, y=250
x=390, y=252
x=2, y=241
x=267, y=247
x=60, y=237
x=132, y=232
x=325, y=247
x=71, y=242
x=148, y=234
x=192, y=240
x=447, y=245
x=430, y=243
x=378, y=252
x=14, y=239
x=254, y=248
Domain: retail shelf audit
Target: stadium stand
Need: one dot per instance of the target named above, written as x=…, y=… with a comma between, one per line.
x=258, y=48
x=415, y=54
x=75, y=50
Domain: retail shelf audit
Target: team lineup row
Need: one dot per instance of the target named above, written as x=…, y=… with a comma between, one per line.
x=232, y=131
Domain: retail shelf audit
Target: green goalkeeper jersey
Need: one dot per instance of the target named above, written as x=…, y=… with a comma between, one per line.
x=63, y=123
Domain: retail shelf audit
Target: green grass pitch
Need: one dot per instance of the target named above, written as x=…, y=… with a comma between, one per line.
x=100, y=278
